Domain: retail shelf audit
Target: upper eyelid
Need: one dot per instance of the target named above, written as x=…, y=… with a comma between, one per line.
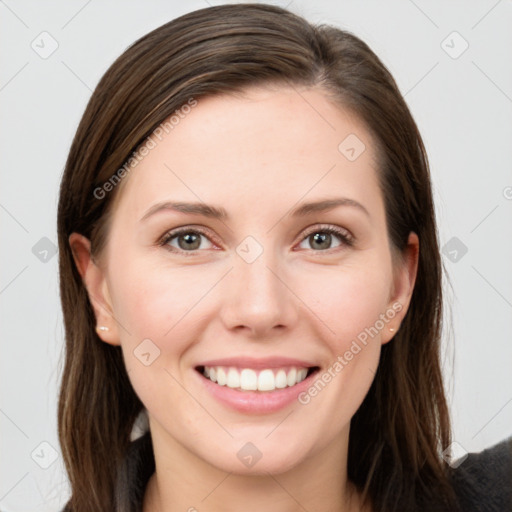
x=173, y=233
x=320, y=227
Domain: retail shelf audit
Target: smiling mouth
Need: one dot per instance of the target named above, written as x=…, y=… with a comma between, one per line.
x=248, y=379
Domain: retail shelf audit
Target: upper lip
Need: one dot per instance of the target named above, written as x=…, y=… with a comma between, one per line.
x=258, y=363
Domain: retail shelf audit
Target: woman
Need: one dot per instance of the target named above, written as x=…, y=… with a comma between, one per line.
x=248, y=255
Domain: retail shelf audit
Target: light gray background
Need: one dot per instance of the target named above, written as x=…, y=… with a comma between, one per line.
x=463, y=107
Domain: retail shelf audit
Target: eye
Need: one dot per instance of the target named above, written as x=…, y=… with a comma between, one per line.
x=189, y=240
x=321, y=238
x=185, y=240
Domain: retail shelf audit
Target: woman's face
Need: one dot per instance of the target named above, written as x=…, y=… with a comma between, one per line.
x=260, y=295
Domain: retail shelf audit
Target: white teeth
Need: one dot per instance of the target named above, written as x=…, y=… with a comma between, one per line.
x=221, y=377
x=291, y=379
x=233, y=378
x=281, y=379
x=301, y=374
x=266, y=381
x=250, y=380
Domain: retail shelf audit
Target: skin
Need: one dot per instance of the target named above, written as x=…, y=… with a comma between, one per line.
x=258, y=155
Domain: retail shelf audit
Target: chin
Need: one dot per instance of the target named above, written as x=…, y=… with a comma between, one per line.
x=260, y=458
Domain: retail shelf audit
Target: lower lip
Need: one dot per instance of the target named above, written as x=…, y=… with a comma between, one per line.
x=256, y=402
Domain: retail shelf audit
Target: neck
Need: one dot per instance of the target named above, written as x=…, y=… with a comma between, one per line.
x=184, y=482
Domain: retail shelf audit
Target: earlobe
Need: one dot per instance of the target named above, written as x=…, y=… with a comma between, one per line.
x=403, y=286
x=93, y=278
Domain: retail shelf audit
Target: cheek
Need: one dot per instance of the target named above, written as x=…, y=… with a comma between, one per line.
x=154, y=302
x=155, y=307
x=350, y=301
x=347, y=300
x=159, y=308
x=350, y=305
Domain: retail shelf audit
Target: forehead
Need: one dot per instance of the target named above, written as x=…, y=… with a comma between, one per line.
x=277, y=143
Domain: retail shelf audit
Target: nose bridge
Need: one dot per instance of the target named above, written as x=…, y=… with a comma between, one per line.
x=258, y=280
x=256, y=296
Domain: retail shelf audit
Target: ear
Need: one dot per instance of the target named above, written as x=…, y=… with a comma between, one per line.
x=95, y=282
x=404, y=278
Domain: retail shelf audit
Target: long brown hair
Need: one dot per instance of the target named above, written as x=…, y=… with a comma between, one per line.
x=402, y=426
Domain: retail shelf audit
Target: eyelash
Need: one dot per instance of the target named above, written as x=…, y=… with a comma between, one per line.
x=345, y=238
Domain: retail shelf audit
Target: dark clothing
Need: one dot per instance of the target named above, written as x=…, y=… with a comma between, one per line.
x=483, y=482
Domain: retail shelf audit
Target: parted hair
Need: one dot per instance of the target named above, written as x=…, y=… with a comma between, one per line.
x=399, y=431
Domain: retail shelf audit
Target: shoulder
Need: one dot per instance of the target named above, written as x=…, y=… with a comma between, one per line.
x=483, y=480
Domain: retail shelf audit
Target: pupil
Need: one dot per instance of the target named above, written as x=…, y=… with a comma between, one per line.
x=321, y=238
x=191, y=241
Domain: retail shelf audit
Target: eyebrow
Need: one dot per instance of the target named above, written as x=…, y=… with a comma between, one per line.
x=218, y=212
x=326, y=205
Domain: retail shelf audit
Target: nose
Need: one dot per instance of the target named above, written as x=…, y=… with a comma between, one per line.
x=258, y=299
